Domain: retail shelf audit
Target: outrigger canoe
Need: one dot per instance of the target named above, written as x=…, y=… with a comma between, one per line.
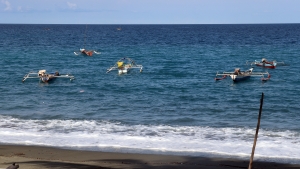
x=267, y=64
x=124, y=65
x=239, y=75
x=86, y=52
x=46, y=77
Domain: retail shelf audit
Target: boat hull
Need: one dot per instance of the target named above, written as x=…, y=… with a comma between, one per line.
x=85, y=52
x=271, y=66
x=88, y=53
x=123, y=71
x=238, y=78
x=48, y=78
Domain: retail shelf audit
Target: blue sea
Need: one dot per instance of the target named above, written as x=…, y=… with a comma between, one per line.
x=173, y=107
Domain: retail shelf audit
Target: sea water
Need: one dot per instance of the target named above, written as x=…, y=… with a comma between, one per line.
x=173, y=107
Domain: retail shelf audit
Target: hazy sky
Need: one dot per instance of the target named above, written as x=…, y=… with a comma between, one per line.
x=149, y=11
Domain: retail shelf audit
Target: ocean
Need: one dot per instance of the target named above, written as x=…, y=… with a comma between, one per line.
x=173, y=107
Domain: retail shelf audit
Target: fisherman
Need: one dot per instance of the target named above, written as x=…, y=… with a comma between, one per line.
x=237, y=71
x=120, y=65
x=42, y=74
x=264, y=61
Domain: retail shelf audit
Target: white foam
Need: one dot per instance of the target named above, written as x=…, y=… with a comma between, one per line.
x=180, y=140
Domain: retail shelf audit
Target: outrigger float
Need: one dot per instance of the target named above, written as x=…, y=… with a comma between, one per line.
x=239, y=75
x=46, y=77
x=124, y=65
x=266, y=64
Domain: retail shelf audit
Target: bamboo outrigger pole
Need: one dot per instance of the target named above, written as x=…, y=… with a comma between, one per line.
x=257, y=128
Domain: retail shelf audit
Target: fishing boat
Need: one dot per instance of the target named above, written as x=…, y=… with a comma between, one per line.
x=46, y=77
x=84, y=51
x=266, y=64
x=239, y=75
x=124, y=65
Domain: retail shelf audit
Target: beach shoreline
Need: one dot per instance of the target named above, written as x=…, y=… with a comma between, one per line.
x=37, y=157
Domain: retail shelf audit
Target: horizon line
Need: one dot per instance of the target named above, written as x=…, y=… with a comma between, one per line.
x=147, y=23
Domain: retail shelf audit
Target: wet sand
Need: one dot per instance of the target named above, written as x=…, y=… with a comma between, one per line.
x=36, y=157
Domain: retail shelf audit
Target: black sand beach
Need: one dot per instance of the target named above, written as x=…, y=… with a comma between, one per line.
x=36, y=157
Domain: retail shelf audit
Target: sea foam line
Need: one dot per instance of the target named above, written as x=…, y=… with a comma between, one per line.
x=163, y=139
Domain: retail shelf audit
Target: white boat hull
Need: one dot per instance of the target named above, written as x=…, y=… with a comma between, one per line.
x=123, y=71
x=237, y=78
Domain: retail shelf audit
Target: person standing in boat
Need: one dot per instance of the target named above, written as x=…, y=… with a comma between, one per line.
x=237, y=71
x=264, y=61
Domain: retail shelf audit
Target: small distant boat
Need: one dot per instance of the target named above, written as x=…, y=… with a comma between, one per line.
x=46, y=77
x=266, y=64
x=84, y=51
x=239, y=75
x=124, y=65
